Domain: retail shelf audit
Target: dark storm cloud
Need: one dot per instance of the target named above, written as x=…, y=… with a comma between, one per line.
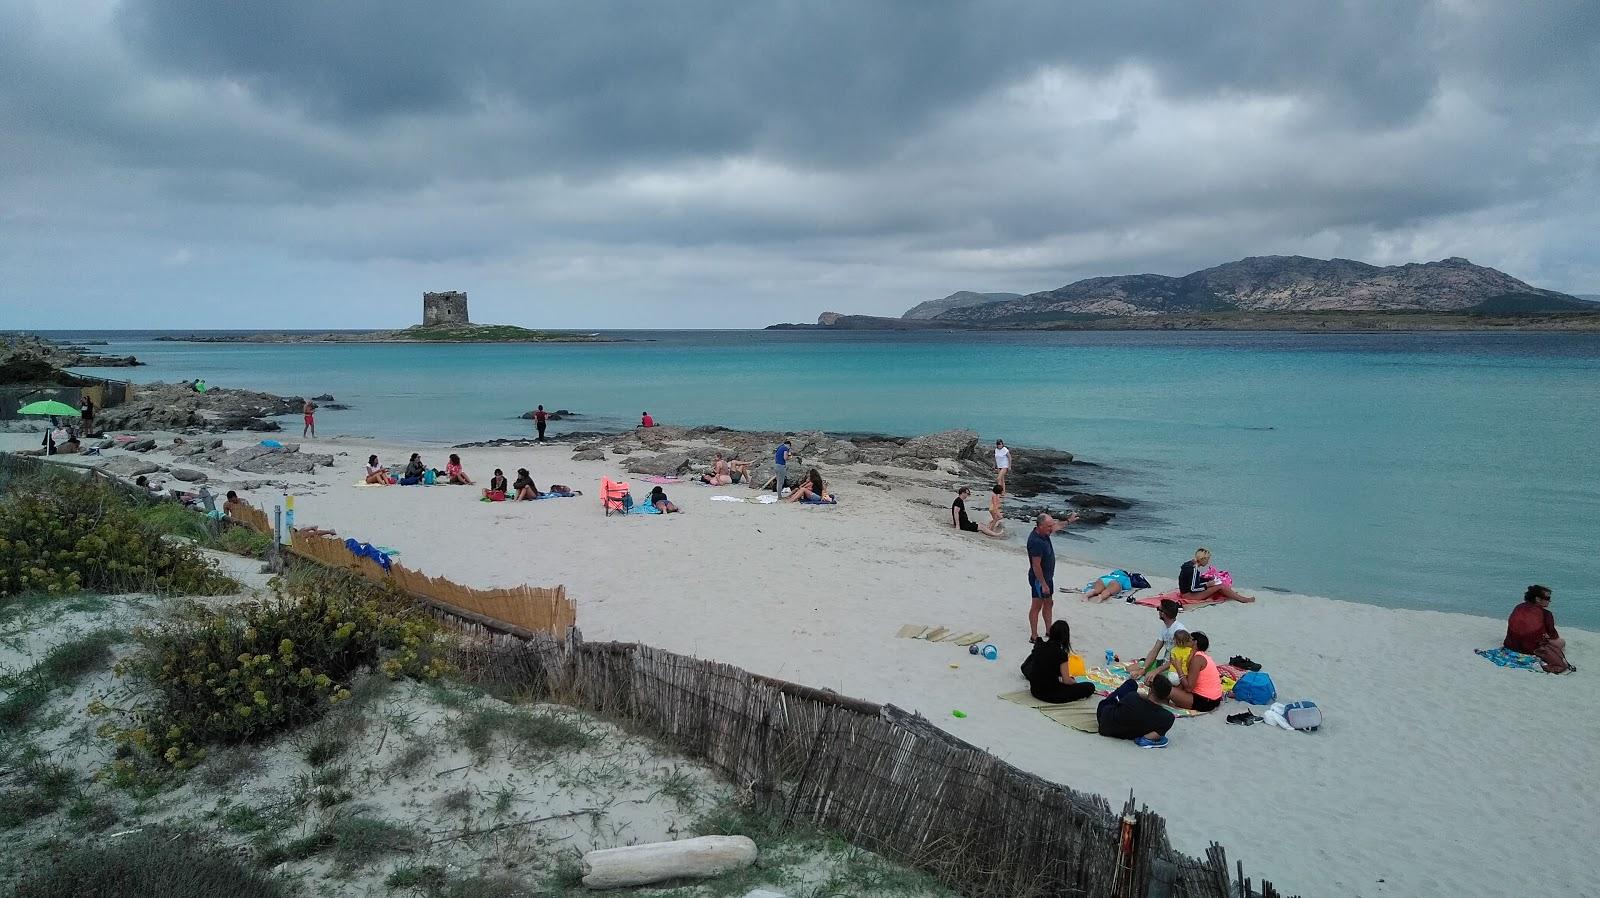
x=900, y=148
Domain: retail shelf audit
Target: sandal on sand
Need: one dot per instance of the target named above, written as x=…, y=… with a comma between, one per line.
x=1243, y=718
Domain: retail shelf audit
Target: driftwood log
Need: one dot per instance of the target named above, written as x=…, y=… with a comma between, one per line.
x=637, y=865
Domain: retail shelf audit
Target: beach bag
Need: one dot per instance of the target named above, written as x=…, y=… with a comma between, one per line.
x=1220, y=578
x=495, y=495
x=1075, y=665
x=1255, y=688
x=429, y=477
x=1138, y=580
x=1303, y=715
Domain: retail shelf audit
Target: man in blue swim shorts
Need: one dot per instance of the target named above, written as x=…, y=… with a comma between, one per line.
x=1042, y=571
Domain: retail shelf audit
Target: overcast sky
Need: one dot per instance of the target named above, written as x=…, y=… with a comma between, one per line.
x=306, y=163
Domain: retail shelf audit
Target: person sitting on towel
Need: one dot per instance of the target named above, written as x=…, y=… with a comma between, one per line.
x=1196, y=587
x=376, y=473
x=811, y=489
x=1127, y=714
x=658, y=498
x=721, y=474
x=414, y=471
x=497, y=486
x=1532, y=631
x=525, y=487
x=1201, y=686
x=1046, y=669
x=453, y=472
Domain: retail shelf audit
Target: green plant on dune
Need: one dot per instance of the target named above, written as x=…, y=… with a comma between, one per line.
x=64, y=534
x=155, y=861
x=243, y=675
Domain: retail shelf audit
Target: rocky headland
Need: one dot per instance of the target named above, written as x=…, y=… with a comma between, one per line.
x=1260, y=293
x=28, y=359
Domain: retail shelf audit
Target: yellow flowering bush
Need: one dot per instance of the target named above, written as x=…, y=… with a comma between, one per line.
x=245, y=674
x=63, y=534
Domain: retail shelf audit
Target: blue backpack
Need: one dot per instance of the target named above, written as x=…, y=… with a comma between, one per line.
x=1255, y=688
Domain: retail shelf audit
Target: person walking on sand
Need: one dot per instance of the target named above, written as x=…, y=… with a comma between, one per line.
x=1042, y=571
x=780, y=465
x=1002, y=464
x=310, y=412
x=996, y=497
x=540, y=420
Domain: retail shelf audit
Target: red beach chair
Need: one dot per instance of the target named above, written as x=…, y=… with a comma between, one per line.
x=614, y=496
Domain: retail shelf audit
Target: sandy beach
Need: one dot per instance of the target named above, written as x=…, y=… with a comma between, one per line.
x=1436, y=773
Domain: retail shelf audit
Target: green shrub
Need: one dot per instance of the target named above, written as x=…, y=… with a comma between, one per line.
x=171, y=519
x=65, y=534
x=40, y=789
x=246, y=674
x=243, y=541
x=153, y=862
x=539, y=733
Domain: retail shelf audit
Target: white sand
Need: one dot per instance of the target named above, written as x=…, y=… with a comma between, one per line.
x=1436, y=774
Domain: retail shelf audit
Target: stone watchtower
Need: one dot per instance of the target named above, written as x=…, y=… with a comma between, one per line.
x=449, y=307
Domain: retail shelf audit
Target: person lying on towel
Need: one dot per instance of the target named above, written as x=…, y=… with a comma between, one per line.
x=1127, y=714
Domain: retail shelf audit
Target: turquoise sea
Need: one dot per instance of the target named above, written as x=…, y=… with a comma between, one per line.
x=1440, y=471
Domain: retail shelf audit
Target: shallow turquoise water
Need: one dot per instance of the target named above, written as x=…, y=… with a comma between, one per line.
x=1442, y=471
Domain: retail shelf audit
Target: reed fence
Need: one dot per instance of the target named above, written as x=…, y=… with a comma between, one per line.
x=885, y=779
x=528, y=609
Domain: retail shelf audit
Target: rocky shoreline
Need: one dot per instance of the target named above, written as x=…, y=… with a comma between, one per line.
x=1040, y=480
x=178, y=407
x=19, y=350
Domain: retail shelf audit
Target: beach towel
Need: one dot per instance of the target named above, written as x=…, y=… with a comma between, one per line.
x=1504, y=657
x=1187, y=602
x=558, y=496
x=657, y=478
x=817, y=500
x=368, y=550
x=1079, y=715
x=641, y=508
x=1107, y=679
x=758, y=500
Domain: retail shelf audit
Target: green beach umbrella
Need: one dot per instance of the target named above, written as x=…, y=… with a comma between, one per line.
x=49, y=407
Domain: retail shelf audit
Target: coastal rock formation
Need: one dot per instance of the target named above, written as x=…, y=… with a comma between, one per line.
x=591, y=454
x=190, y=475
x=162, y=406
x=1278, y=284
x=286, y=459
x=129, y=466
x=957, y=300
x=19, y=348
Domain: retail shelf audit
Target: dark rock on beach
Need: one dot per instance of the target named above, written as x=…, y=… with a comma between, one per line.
x=162, y=406
x=1097, y=500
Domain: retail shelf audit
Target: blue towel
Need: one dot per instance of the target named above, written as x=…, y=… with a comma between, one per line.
x=555, y=495
x=644, y=508
x=1504, y=657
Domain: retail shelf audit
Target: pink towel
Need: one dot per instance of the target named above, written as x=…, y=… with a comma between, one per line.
x=1185, y=601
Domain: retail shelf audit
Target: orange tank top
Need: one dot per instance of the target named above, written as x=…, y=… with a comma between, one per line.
x=1209, y=685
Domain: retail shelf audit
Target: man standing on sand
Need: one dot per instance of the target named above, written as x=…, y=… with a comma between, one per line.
x=310, y=412
x=780, y=464
x=1042, y=571
x=539, y=420
x=1002, y=463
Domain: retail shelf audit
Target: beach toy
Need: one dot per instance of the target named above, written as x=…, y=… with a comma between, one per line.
x=955, y=667
x=1111, y=658
x=1075, y=665
x=958, y=713
x=972, y=649
x=989, y=651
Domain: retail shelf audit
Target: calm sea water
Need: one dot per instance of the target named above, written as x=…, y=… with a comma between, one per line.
x=1439, y=471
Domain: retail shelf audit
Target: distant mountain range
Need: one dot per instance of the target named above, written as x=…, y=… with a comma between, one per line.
x=1255, y=288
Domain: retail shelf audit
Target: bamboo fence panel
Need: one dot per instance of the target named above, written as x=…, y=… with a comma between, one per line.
x=528, y=608
x=252, y=517
x=885, y=779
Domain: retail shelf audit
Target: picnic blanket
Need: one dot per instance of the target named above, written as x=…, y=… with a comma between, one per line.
x=1079, y=715
x=1156, y=600
x=1107, y=679
x=1504, y=657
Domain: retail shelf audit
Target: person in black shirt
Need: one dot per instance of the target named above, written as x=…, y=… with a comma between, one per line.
x=1125, y=714
x=524, y=486
x=958, y=515
x=1046, y=669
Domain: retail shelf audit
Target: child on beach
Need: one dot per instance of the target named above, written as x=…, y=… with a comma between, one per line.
x=453, y=472
x=997, y=496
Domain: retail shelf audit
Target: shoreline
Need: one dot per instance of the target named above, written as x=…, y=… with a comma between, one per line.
x=815, y=595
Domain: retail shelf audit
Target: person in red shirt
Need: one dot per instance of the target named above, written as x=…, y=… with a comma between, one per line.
x=540, y=420
x=1532, y=630
x=645, y=420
